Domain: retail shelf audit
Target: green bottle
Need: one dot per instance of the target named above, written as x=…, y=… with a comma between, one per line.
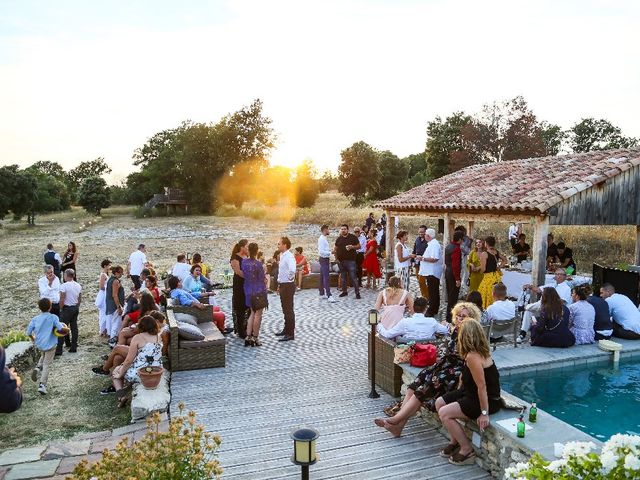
x=533, y=413
x=521, y=427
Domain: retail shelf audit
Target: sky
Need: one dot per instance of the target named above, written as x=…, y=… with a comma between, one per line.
x=85, y=79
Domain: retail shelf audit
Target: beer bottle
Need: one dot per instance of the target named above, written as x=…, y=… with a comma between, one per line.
x=520, y=427
x=533, y=413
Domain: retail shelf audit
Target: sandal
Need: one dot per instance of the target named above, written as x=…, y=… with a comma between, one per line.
x=449, y=450
x=256, y=342
x=459, y=459
x=122, y=402
x=391, y=410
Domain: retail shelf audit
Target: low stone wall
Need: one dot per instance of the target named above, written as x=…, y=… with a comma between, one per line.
x=144, y=401
x=21, y=356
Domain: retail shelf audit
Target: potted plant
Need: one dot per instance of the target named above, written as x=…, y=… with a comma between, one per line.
x=150, y=375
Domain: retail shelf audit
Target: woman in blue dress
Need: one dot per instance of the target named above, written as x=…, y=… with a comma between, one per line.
x=255, y=294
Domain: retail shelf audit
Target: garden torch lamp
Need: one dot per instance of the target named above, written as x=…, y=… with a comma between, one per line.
x=304, y=449
x=373, y=321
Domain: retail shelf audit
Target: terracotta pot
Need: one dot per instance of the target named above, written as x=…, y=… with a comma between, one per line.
x=150, y=379
x=218, y=316
x=216, y=308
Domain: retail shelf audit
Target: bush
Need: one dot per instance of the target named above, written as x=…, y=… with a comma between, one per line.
x=94, y=194
x=620, y=459
x=12, y=337
x=183, y=452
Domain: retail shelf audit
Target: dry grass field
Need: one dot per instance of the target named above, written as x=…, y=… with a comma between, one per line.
x=74, y=404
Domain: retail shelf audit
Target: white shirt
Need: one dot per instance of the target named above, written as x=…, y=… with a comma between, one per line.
x=501, y=310
x=513, y=231
x=405, y=253
x=363, y=243
x=416, y=327
x=71, y=291
x=564, y=291
x=624, y=312
x=379, y=234
x=287, y=267
x=137, y=260
x=51, y=292
x=434, y=250
x=324, y=250
x=181, y=270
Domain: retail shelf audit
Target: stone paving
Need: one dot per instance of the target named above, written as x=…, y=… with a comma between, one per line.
x=318, y=380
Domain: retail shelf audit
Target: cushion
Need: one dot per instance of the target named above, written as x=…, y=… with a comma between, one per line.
x=189, y=332
x=335, y=268
x=212, y=336
x=314, y=267
x=186, y=318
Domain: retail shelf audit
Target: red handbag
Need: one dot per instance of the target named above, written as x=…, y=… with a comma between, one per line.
x=424, y=355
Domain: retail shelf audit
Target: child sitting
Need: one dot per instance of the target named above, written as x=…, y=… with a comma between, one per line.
x=41, y=331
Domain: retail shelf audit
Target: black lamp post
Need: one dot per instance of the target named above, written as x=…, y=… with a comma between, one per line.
x=373, y=321
x=304, y=449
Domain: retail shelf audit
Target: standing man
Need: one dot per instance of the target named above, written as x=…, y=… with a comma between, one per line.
x=513, y=234
x=453, y=271
x=362, y=239
x=137, y=261
x=431, y=267
x=52, y=258
x=287, y=289
x=419, y=247
x=49, y=287
x=345, y=250
x=369, y=222
x=70, y=298
x=324, y=253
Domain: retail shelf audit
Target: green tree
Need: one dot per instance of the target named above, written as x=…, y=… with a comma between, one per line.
x=417, y=163
x=7, y=186
x=328, y=181
x=306, y=186
x=76, y=176
x=553, y=138
x=46, y=167
x=93, y=194
x=24, y=195
x=444, y=137
x=591, y=134
x=393, y=176
x=359, y=171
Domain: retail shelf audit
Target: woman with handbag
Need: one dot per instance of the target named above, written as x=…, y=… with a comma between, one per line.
x=255, y=294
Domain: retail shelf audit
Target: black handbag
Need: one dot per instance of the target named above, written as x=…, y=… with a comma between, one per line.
x=259, y=301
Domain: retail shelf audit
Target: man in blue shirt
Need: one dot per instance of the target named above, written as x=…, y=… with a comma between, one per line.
x=41, y=330
x=181, y=296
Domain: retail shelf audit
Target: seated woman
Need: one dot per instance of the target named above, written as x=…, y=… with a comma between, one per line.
x=302, y=267
x=436, y=380
x=205, y=271
x=477, y=396
x=395, y=300
x=145, y=344
x=194, y=285
x=551, y=329
x=416, y=327
x=129, y=327
x=582, y=316
x=180, y=296
x=151, y=285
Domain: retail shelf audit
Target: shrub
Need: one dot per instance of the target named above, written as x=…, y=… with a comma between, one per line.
x=12, y=337
x=619, y=459
x=183, y=452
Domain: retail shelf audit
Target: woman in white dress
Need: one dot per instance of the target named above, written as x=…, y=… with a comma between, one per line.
x=402, y=258
x=100, y=302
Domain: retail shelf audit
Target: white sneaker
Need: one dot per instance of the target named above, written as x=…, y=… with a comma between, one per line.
x=42, y=389
x=332, y=299
x=34, y=374
x=323, y=296
x=520, y=339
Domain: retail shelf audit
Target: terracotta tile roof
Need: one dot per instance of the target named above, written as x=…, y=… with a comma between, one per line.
x=531, y=185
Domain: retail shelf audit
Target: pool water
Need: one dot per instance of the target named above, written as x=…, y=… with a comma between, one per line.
x=599, y=400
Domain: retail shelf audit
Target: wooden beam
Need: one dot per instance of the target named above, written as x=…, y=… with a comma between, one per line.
x=446, y=236
x=391, y=236
x=540, y=232
x=637, y=244
x=470, y=227
x=467, y=216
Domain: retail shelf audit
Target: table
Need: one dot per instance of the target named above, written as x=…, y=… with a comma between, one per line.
x=515, y=280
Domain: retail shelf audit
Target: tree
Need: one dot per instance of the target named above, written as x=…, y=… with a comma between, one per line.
x=46, y=167
x=24, y=195
x=91, y=168
x=359, y=171
x=417, y=163
x=444, y=137
x=93, y=194
x=7, y=185
x=591, y=134
x=393, y=176
x=306, y=186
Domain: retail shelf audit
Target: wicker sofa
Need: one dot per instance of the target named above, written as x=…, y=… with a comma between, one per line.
x=195, y=354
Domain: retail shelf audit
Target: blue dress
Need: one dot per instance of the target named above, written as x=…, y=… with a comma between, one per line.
x=553, y=332
x=253, y=279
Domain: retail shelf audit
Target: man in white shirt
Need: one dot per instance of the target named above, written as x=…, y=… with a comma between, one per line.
x=513, y=234
x=416, y=327
x=362, y=238
x=181, y=269
x=324, y=254
x=49, y=287
x=70, y=298
x=564, y=292
x=287, y=289
x=137, y=261
x=431, y=268
x=501, y=309
x=625, y=315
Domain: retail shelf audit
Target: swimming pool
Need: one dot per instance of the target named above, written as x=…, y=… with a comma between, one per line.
x=600, y=400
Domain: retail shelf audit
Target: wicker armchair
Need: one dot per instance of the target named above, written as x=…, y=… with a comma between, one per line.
x=195, y=354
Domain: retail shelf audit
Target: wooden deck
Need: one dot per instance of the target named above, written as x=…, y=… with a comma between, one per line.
x=319, y=380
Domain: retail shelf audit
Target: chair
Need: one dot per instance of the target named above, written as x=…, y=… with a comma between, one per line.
x=487, y=331
x=500, y=328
